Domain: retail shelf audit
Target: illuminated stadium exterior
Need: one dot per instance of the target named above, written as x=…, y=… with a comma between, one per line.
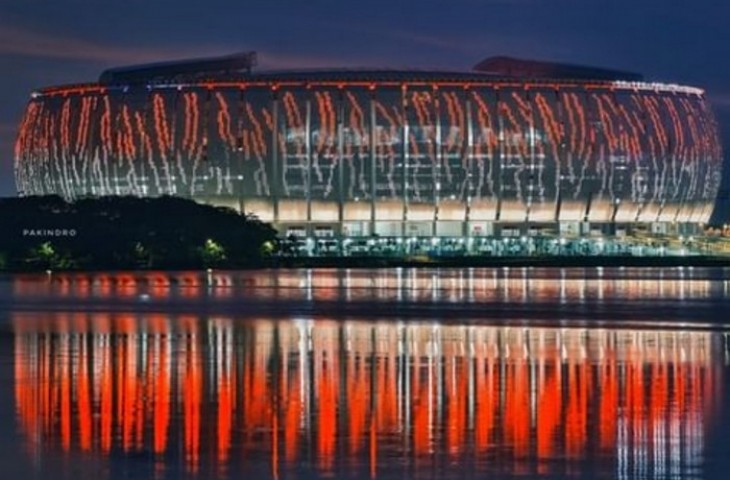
x=510, y=151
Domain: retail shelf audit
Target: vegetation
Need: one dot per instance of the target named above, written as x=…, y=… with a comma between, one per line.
x=128, y=233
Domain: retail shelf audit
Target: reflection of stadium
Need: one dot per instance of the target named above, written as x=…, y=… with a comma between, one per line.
x=350, y=397
x=509, y=149
x=388, y=286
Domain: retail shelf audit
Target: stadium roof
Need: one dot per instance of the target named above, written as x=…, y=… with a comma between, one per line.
x=240, y=66
x=238, y=62
x=515, y=67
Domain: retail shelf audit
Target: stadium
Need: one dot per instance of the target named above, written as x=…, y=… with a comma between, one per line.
x=512, y=156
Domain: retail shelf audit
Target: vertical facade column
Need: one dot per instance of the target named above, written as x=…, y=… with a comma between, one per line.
x=308, y=161
x=591, y=192
x=533, y=164
x=373, y=169
x=500, y=164
x=659, y=190
x=173, y=128
x=149, y=153
x=340, y=170
x=561, y=158
x=240, y=154
x=405, y=158
x=119, y=156
x=438, y=167
x=275, y=167
x=206, y=145
x=142, y=164
x=86, y=153
x=468, y=152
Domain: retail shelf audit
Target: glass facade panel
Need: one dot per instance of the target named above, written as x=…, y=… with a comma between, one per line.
x=294, y=118
x=257, y=144
x=127, y=169
x=389, y=152
x=701, y=129
x=422, y=184
x=453, y=167
x=133, y=145
x=640, y=180
x=596, y=187
x=191, y=156
x=159, y=118
x=356, y=148
x=624, y=182
x=64, y=130
x=571, y=163
x=325, y=116
x=483, y=147
x=223, y=156
x=684, y=172
x=544, y=139
x=516, y=154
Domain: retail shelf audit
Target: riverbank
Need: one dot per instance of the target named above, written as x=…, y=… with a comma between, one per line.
x=442, y=262
x=474, y=261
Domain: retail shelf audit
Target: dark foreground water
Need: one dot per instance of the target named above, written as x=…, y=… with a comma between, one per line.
x=473, y=373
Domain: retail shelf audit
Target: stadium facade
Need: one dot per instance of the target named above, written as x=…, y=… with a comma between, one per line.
x=509, y=150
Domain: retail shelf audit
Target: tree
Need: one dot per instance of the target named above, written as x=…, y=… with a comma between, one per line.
x=129, y=232
x=212, y=253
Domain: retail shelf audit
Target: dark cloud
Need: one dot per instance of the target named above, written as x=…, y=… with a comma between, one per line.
x=19, y=41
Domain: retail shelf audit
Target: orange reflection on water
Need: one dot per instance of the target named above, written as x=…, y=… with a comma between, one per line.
x=473, y=285
x=353, y=396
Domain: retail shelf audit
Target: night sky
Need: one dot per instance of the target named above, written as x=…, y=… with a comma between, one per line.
x=46, y=42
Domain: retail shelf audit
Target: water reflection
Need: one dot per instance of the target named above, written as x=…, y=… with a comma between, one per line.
x=279, y=398
x=470, y=285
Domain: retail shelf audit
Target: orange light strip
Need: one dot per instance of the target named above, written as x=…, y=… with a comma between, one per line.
x=368, y=84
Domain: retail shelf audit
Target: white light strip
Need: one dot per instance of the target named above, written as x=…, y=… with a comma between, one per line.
x=656, y=86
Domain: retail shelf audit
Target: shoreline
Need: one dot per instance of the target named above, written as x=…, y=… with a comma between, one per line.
x=284, y=263
x=486, y=262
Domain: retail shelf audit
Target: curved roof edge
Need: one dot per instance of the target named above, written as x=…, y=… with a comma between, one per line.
x=227, y=64
x=275, y=83
x=516, y=67
x=241, y=65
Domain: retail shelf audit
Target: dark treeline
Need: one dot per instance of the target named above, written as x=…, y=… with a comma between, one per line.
x=127, y=233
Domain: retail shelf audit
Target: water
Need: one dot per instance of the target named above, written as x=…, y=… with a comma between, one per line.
x=473, y=373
